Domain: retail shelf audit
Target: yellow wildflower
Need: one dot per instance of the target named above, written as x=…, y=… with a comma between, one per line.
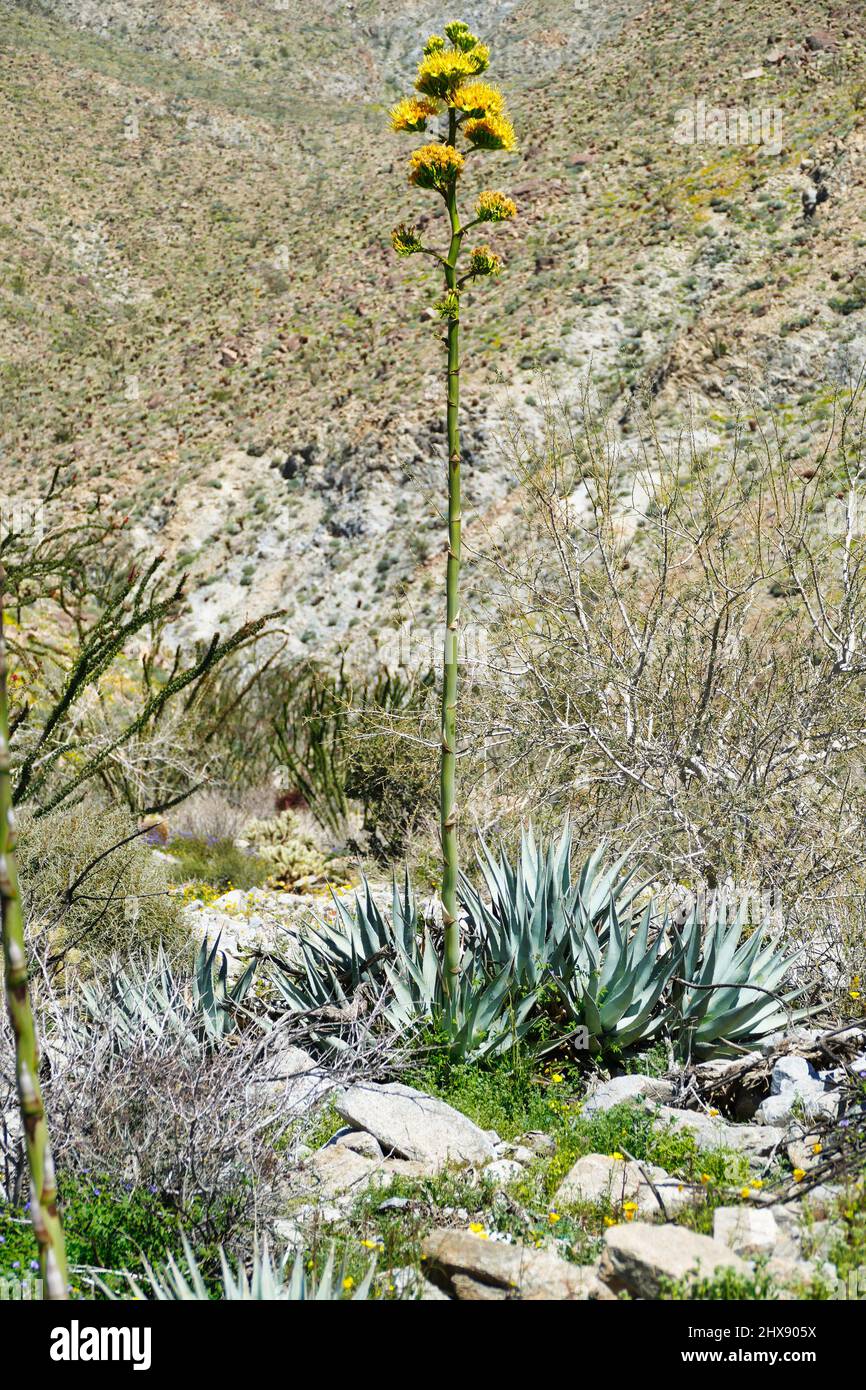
x=616, y=1154
x=557, y=1077
x=478, y=99
x=494, y=207
x=553, y=1217
x=478, y=1230
x=435, y=166
x=609, y=1221
x=799, y=1174
x=757, y=1183
x=712, y=1112
x=491, y=133
x=745, y=1192
x=348, y=1283
x=629, y=1209
x=706, y=1179
x=412, y=113
x=816, y=1148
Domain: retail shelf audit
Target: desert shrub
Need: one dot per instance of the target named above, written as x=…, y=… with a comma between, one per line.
x=392, y=767
x=219, y=863
x=339, y=737
x=680, y=656
x=92, y=887
x=89, y=710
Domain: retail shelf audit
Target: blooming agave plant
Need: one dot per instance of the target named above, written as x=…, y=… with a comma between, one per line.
x=450, y=92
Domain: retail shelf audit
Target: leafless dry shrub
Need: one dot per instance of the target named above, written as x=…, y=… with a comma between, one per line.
x=216, y=1129
x=681, y=663
x=211, y=814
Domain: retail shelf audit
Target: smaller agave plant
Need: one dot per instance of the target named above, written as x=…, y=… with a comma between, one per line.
x=612, y=980
x=537, y=911
x=276, y=1281
x=729, y=994
x=152, y=1001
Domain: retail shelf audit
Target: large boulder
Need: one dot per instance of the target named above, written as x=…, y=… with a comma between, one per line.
x=470, y=1267
x=413, y=1125
x=643, y=1259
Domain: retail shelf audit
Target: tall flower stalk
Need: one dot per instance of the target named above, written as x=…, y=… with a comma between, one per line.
x=43, y=1189
x=450, y=92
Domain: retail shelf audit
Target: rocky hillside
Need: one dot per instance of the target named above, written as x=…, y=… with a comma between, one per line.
x=200, y=310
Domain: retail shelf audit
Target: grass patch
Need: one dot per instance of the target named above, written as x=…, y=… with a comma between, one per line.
x=115, y=1226
x=216, y=863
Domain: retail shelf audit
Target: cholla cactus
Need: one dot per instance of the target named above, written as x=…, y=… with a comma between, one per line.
x=47, y=1225
x=450, y=91
x=294, y=858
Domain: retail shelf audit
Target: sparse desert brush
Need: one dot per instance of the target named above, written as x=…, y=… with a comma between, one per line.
x=92, y=888
x=472, y=113
x=681, y=655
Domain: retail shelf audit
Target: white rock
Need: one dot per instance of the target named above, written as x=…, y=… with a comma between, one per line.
x=290, y=1077
x=748, y=1230
x=519, y=1153
x=503, y=1171
x=712, y=1132
x=360, y=1143
x=538, y=1142
x=414, y=1125
x=599, y=1178
x=790, y=1071
x=808, y=1100
x=623, y=1088
x=336, y=1169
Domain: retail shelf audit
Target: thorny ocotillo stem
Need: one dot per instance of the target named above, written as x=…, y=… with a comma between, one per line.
x=44, y=1214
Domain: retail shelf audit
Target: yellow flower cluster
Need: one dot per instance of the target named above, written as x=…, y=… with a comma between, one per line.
x=483, y=260
x=412, y=113
x=460, y=35
x=491, y=133
x=405, y=240
x=448, y=307
x=494, y=207
x=435, y=166
x=478, y=99
x=441, y=73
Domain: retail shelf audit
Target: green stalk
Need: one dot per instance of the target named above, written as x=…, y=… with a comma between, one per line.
x=43, y=1191
x=447, y=798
